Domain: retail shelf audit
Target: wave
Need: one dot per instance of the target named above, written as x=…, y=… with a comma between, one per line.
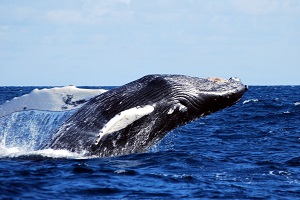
x=44, y=153
x=250, y=100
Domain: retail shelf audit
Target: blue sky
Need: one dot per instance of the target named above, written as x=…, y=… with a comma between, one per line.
x=112, y=42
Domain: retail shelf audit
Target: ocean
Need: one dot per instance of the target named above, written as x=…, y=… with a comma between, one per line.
x=247, y=151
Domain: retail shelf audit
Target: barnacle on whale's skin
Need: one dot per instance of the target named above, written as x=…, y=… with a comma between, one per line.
x=216, y=79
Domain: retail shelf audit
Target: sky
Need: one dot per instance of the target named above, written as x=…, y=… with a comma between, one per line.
x=113, y=42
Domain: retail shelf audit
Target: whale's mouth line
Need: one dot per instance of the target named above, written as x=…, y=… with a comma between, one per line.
x=196, y=102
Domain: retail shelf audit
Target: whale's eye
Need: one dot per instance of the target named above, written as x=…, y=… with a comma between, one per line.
x=177, y=107
x=182, y=108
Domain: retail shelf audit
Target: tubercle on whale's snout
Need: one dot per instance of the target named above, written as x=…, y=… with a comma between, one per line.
x=240, y=93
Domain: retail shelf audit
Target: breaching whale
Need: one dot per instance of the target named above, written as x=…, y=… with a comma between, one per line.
x=133, y=117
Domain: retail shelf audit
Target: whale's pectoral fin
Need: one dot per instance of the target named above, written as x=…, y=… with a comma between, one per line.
x=123, y=119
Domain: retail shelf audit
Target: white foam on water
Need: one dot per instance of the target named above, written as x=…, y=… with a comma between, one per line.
x=47, y=153
x=297, y=103
x=250, y=100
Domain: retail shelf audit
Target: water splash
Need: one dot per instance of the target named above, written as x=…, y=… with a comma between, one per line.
x=27, y=131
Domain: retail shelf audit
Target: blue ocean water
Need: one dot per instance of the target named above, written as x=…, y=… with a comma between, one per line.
x=247, y=151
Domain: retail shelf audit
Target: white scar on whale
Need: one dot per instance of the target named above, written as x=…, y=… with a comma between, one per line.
x=123, y=119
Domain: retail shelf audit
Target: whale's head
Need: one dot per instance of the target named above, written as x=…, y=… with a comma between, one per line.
x=135, y=116
x=152, y=106
x=188, y=98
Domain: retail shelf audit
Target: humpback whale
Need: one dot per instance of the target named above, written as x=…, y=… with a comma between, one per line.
x=133, y=117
